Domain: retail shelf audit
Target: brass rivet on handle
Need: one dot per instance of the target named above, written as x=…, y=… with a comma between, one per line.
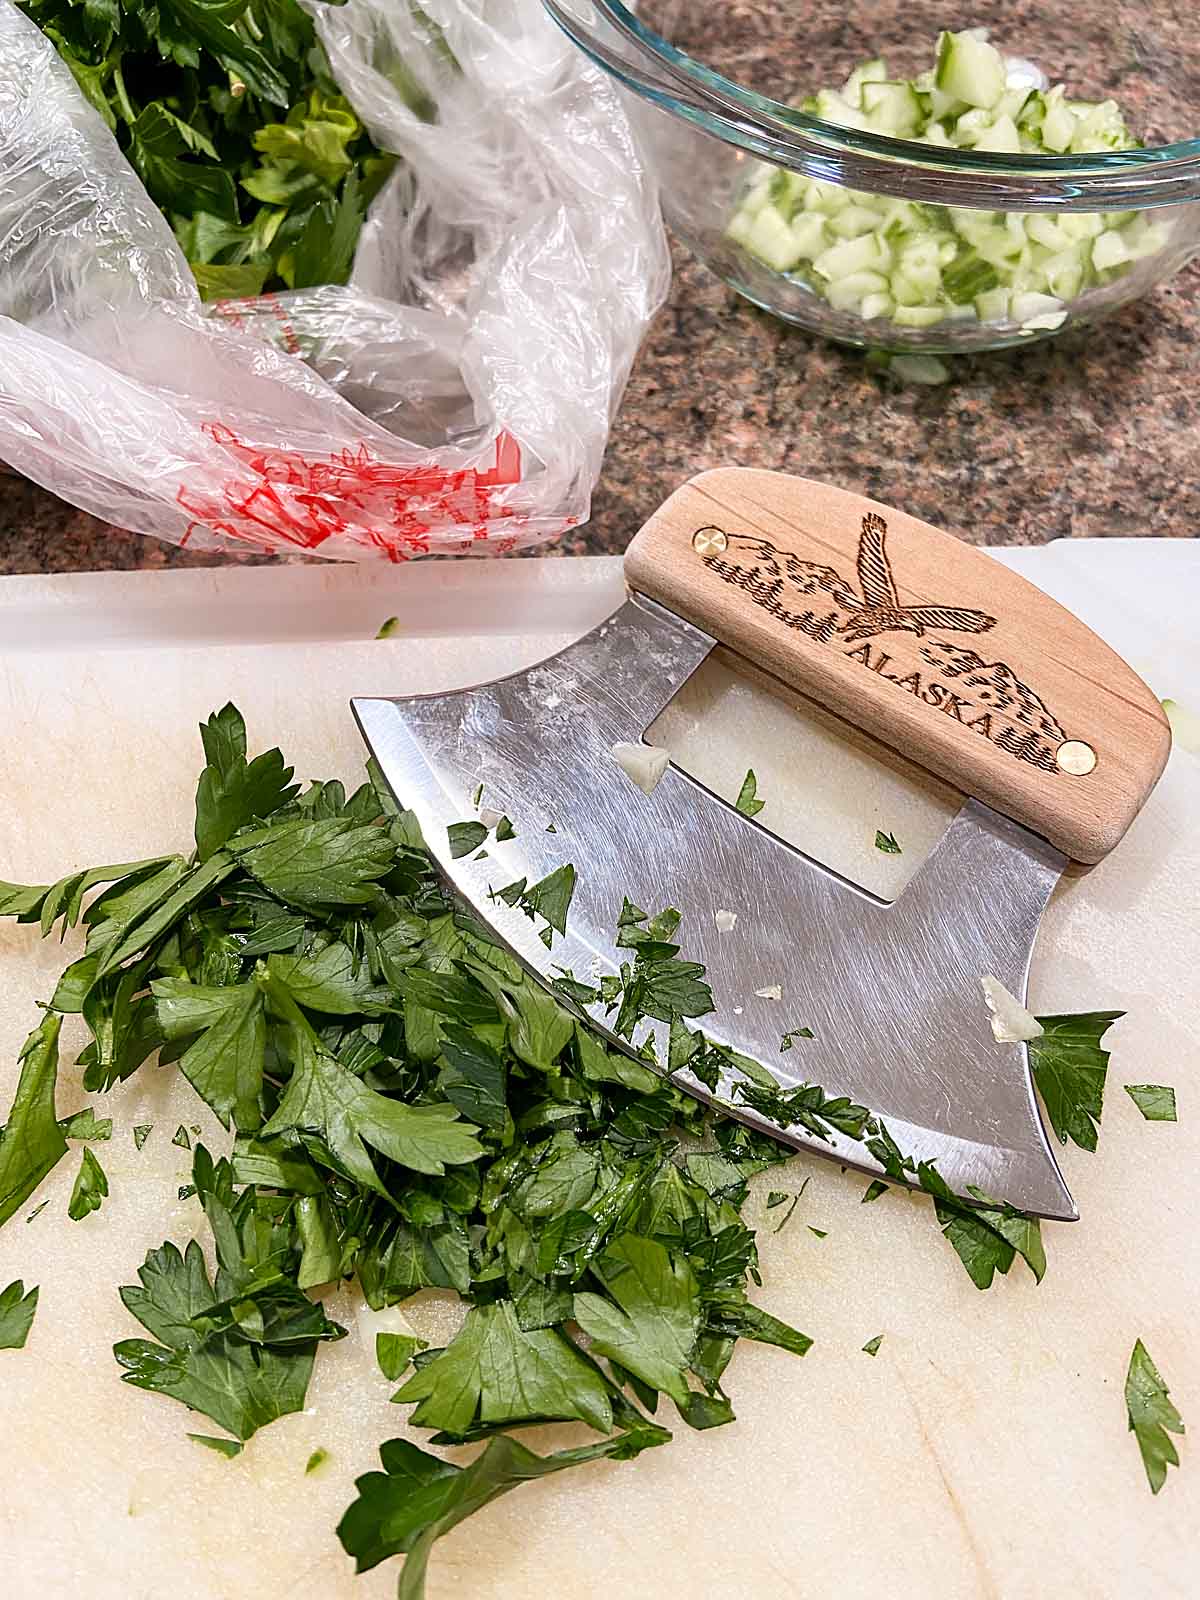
x=1076, y=757
x=709, y=541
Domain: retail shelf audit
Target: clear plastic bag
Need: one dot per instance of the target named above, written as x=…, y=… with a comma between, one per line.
x=455, y=396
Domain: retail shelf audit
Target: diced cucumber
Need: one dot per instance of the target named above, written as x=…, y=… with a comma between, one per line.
x=740, y=225
x=992, y=305
x=809, y=235
x=1025, y=307
x=772, y=241
x=1081, y=224
x=1101, y=127
x=868, y=72
x=831, y=107
x=1058, y=124
x=970, y=69
x=968, y=277
x=853, y=220
x=971, y=125
x=827, y=197
x=918, y=264
x=865, y=254
x=1012, y=102
x=943, y=106
x=1064, y=272
x=1046, y=230
x=1002, y=136
x=891, y=107
x=918, y=316
x=848, y=293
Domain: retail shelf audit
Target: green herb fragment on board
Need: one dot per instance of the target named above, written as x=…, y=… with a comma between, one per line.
x=1152, y=1417
x=887, y=843
x=16, y=1315
x=91, y=1188
x=1156, y=1101
x=747, y=801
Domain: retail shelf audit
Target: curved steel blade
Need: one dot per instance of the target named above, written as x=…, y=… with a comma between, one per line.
x=890, y=992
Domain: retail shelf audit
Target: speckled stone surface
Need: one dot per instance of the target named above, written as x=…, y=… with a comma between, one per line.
x=1093, y=435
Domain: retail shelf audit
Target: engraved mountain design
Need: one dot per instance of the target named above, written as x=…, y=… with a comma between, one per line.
x=814, y=599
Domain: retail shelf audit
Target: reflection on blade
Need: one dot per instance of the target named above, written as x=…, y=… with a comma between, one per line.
x=890, y=993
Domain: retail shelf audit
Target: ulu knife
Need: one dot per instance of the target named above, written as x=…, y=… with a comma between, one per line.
x=912, y=636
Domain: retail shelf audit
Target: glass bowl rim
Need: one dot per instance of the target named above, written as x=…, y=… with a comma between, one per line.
x=659, y=71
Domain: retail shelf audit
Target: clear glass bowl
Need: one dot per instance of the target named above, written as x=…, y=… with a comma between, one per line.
x=711, y=85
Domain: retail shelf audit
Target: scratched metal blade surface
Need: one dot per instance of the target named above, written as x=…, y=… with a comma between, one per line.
x=891, y=992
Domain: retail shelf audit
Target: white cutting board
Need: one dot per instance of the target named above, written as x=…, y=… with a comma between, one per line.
x=982, y=1453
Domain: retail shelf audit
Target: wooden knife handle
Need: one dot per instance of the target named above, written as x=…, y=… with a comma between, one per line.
x=920, y=640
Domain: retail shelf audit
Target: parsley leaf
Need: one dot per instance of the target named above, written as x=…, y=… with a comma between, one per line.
x=887, y=843
x=747, y=801
x=649, y=1317
x=91, y=1188
x=33, y=1142
x=1156, y=1101
x=494, y=1372
x=394, y=1352
x=871, y=1348
x=988, y=1237
x=465, y=837
x=232, y=792
x=225, y=1063
x=141, y=1133
x=1151, y=1416
x=417, y=1498
x=86, y=1125
x=551, y=897
x=325, y=1101
x=16, y=1315
x=1069, y=1068
x=319, y=865
x=222, y=1447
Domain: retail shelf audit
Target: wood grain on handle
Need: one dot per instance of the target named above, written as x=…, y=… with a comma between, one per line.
x=919, y=639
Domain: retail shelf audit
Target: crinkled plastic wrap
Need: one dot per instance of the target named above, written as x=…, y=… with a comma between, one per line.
x=455, y=396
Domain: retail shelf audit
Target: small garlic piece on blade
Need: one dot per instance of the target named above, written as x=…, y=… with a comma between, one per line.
x=1011, y=1022
x=644, y=764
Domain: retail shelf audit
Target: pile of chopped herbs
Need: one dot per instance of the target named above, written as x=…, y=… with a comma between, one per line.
x=411, y=1110
x=228, y=112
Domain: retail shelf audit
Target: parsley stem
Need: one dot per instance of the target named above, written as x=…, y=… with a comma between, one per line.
x=124, y=104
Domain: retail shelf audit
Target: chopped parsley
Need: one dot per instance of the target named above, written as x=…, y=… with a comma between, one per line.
x=465, y=837
x=887, y=843
x=789, y=1039
x=1069, y=1068
x=16, y=1315
x=874, y=1189
x=411, y=1110
x=85, y=1125
x=91, y=1188
x=141, y=1133
x=747, y=801
x=1152, y=1417
x=316, y=1460
x=1156, y=1101
x=871, y=1348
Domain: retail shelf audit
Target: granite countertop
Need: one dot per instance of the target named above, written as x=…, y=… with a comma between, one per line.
x=1096, y=434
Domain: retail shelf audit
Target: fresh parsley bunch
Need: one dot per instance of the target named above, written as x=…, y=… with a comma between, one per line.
x=229, y=114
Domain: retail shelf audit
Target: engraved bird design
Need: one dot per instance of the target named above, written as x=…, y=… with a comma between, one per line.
x=881, y=611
